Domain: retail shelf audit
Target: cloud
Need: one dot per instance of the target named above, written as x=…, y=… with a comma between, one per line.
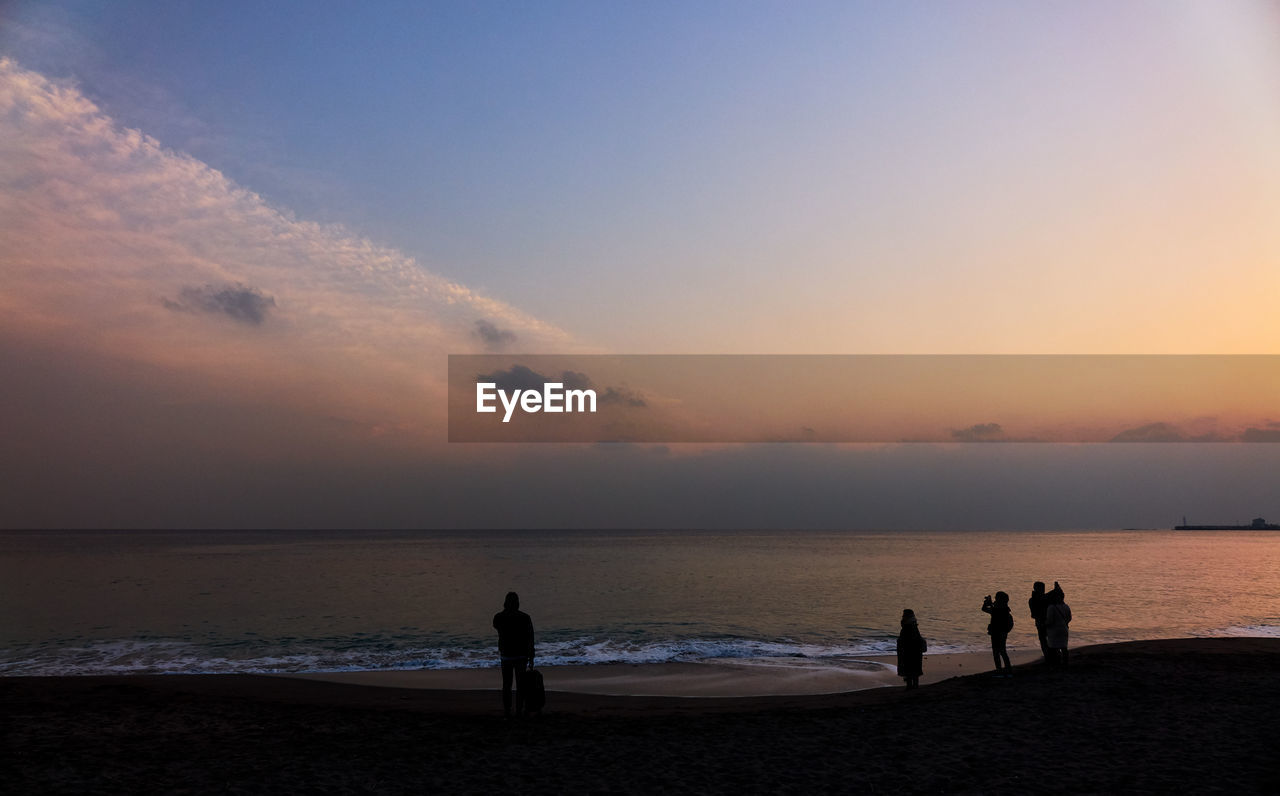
x=1261, y=435
x=575, y=381
x=1151, y=432
x=1167, y=432
x=106, y=232
x=240, y=303
x=979, y=432
x=623, y=397
x=493, y=337
x=517, y=377
x=520, y=377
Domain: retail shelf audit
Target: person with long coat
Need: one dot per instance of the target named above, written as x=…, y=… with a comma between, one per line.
x=1056, y=618
x=911, y=649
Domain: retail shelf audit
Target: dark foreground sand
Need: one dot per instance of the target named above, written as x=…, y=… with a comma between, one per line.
x=1183, y=716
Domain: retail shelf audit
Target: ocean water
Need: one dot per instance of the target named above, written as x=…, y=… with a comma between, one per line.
x=160, y=602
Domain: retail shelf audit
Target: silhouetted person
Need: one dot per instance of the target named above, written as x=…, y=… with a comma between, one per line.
x=515, y=647
x=1038, y=603
x=911, y=649
x=999, y=627
x=1056, y=618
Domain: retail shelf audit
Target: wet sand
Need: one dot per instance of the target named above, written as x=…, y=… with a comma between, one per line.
x=692, y=679
x=1190, y=715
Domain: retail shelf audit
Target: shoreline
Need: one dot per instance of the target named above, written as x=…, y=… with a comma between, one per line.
x=711, y=679
x=631, y=688
x=1188, y=715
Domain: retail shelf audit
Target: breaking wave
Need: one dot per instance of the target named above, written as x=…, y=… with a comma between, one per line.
x=162, y=656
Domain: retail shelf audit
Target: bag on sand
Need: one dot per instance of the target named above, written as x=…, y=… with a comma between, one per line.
x=535, y=696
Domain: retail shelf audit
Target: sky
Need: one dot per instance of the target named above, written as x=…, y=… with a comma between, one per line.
x=238, y=241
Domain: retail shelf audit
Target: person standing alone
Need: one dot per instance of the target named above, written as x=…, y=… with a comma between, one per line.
x=911, y=648
x=515, y=647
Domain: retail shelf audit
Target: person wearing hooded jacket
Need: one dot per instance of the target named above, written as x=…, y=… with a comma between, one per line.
x=1057, y=615
x=515, y=647
x=911, y=649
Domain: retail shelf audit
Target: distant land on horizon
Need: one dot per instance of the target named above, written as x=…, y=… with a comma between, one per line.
x=1258, y=524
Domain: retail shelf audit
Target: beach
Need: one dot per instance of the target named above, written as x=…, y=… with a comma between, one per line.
x=1147, y=716
x=718, y=679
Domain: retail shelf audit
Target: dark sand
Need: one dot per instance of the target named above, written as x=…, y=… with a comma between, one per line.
x=1187, y=716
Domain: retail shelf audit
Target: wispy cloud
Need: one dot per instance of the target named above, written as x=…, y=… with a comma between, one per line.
x=106, y=232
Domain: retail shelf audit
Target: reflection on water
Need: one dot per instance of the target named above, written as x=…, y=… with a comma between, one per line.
x=354, y=600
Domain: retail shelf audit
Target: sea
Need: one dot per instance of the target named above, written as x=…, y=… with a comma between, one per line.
x=112, y=602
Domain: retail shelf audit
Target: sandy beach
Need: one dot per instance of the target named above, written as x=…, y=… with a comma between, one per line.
x=719, y=679
x=1153, y=716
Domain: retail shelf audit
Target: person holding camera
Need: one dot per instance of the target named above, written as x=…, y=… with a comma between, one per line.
x=999, y=627
x=1038, y=603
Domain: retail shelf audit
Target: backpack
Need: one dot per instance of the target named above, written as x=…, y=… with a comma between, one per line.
x=1008, y=622
x=535, y=695
x=1000, y=624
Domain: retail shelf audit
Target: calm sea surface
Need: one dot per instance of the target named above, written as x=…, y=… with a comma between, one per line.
x=321, y=601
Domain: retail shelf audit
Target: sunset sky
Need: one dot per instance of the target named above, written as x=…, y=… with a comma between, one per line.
x=238, y=241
